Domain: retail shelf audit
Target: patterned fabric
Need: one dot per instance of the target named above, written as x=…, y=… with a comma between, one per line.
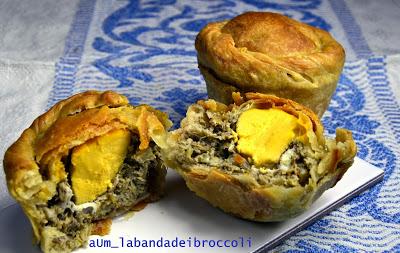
x=145, y=50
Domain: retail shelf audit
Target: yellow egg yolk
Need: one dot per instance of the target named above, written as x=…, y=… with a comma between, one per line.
x=264, y=134
x=95, y=164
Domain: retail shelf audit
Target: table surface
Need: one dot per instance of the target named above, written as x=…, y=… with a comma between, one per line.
x=52, y=49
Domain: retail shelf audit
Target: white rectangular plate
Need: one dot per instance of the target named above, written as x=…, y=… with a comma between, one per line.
x=181, y=216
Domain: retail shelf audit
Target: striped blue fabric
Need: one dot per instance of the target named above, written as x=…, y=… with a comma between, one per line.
x=145, y=51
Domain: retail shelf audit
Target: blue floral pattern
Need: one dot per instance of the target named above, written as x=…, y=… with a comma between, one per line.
x=179, y=100
x=145, y=50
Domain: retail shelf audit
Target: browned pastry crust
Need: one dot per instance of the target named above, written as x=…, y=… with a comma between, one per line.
x=272, y=54
x=102, y=227
x=241, y=194
x=33, y=164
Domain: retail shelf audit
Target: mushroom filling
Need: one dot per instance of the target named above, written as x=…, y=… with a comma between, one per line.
x=210, y=139
x=69, y=224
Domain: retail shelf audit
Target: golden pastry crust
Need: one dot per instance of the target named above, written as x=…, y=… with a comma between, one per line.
x=272, y=54
x=102, y=227
x=241, y=194
x=33, y=164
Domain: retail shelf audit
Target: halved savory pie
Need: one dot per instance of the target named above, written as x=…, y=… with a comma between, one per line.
x=89, y=158
x=262, y=158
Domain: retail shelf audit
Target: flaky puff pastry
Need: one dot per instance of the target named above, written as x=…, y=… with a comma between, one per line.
x=240, y=192
x=272, y=54
x=33, y=164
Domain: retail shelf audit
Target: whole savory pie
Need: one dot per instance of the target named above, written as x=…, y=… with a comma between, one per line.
x=270, y=53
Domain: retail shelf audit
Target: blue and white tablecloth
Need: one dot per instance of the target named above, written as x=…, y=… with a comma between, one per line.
x=145, y=50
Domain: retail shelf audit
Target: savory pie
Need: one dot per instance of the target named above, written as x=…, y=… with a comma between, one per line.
x=262, y=158
x=89, y=158
x=272, y=54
